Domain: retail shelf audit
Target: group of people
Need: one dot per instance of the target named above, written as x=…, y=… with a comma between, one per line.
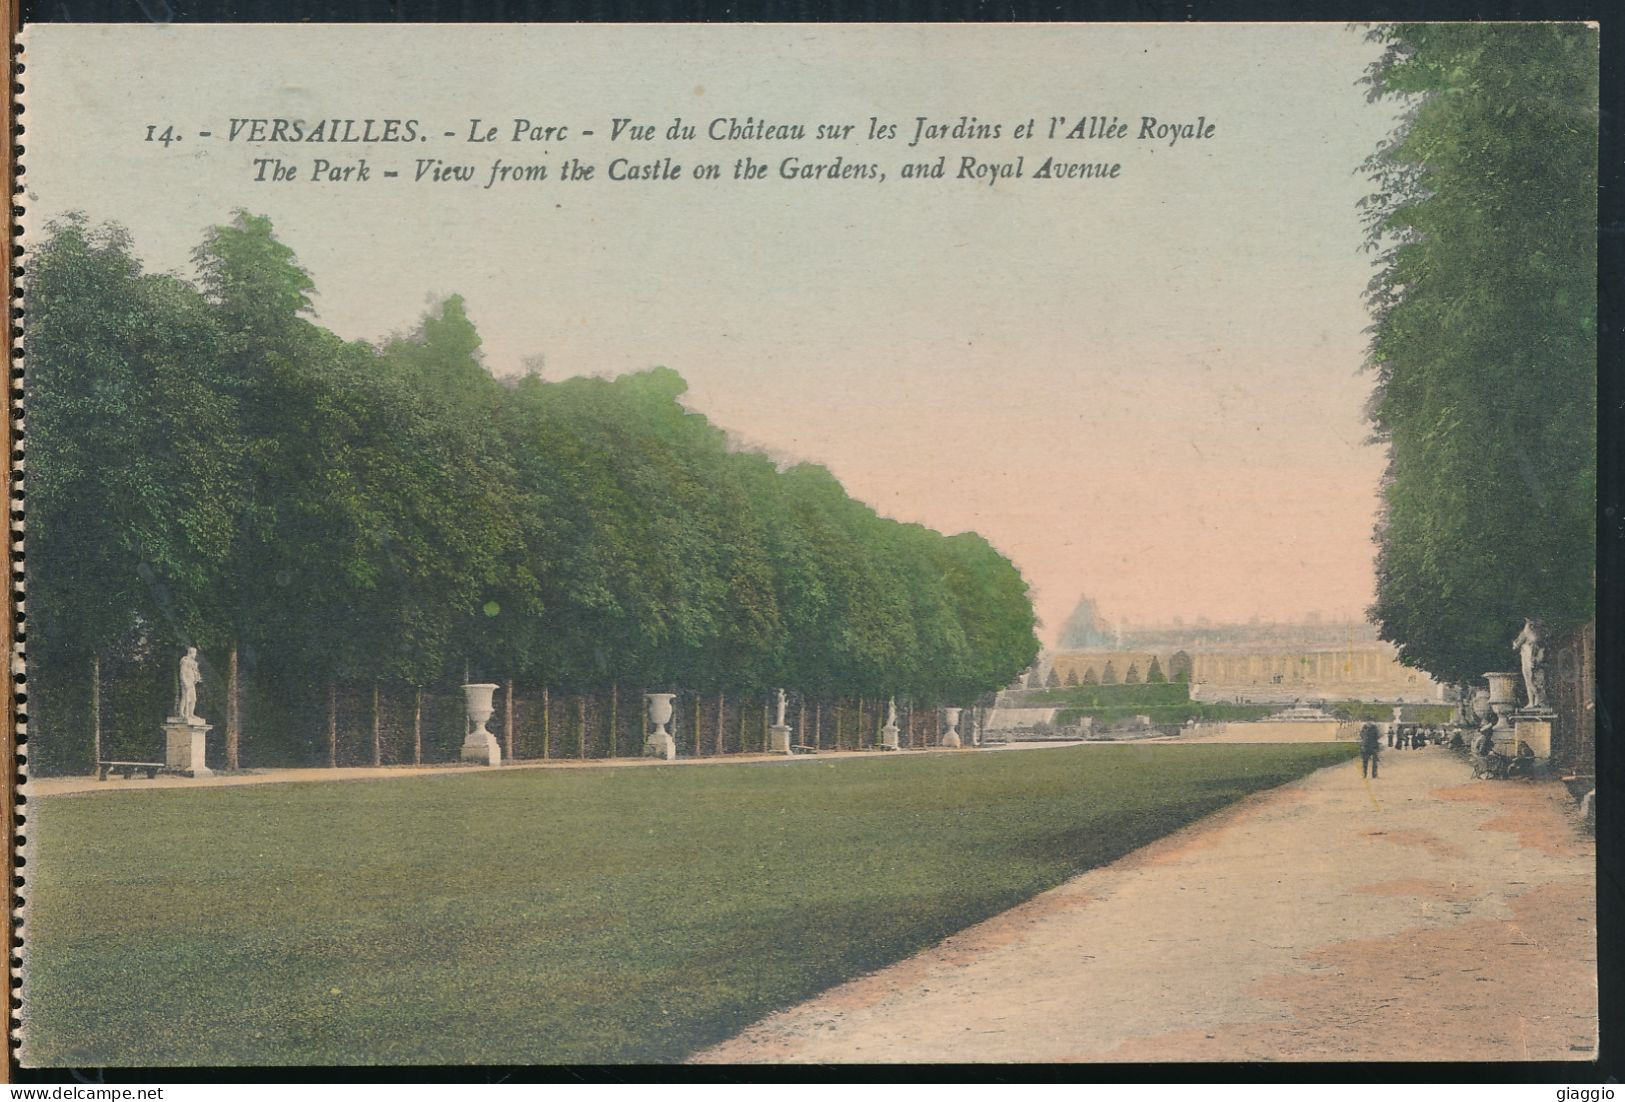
x=1401, y=736
x=1487, y=761
x=1490, y=762
x=1411, y=736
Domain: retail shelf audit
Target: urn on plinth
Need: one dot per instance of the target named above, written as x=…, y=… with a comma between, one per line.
x=660, y=744
x=479, y=745
x=951, y=716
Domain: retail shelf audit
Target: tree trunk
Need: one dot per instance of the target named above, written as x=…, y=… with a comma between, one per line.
x=332, y=725
x=697, y=748
x=862, y=735
x=377, y=729
x=801, y=721
x=614, y=715
x=722, y=725
x=507, y=720
x=233, y=729
x=837, y=725
x=417, y=727
x=581, y=725
x=767, y=718
x=547, y=720
x=743, y=748
x=96, y=710
x=818, y=725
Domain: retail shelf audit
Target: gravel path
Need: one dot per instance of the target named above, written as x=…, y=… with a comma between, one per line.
x=1421, y=916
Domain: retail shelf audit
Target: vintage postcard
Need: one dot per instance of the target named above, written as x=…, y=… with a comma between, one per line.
x=756, y=544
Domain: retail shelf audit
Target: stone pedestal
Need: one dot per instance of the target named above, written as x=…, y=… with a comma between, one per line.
x=951, y=739
x=184, y=745
x=481, y=748
x=660, y=743
x=778, y=739
x=1534, y=727
x=888, y=737
x=479, y=745
x=1503, y=699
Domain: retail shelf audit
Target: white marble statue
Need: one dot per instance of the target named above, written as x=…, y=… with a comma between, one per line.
x=1532, y=651
x=186, y=712
x=891, y=712
x=780, y=721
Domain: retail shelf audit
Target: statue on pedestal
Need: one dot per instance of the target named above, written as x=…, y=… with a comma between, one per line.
x=185, y=733
x=1531, y=650
x=779, y=740
x=186, y=710
x=888, y=732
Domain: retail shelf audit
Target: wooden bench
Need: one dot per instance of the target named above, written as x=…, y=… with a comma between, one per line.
x=128, y=769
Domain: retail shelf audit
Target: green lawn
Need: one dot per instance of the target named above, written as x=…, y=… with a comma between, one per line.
x=549, y=916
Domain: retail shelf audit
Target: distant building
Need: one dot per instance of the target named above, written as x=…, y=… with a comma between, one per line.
x=1365, y=672
x=1084, y=628
x=1361, y=671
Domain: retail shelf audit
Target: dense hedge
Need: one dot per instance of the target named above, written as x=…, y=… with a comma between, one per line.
x=1109, y=696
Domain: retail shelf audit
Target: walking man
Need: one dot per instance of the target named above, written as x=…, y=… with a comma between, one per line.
x=1370, y=747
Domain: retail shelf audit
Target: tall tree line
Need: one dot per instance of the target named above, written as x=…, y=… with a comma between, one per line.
x=208, y=466
x=1483, y=214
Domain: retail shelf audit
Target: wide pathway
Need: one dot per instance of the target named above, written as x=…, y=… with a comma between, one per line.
x=1421, y=916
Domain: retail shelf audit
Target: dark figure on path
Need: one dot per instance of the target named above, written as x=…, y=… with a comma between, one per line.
x=1370, y=747
x=1457, y=742
x=1390, y=736
x=1488, y=763
x=1524, y=763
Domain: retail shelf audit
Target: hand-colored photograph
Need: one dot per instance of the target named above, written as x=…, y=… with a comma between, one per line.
x=808, y=544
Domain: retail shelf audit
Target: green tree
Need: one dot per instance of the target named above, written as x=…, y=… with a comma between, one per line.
x=1133, y=675
x=131, y=446
x=1109, y=675
x=1090, y=677
x=1154, y=674
x=1483, y=214
x=1179, y=667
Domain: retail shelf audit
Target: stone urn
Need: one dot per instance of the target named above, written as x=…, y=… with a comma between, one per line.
x=660, y=743
x=951, y=739
x=480, y=745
